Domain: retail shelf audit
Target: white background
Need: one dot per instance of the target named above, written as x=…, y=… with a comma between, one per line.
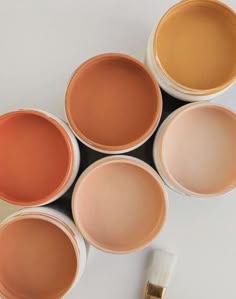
x=41, y=43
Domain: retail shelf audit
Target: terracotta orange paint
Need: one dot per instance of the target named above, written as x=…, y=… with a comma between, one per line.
x=35, y=157
x=113, y=103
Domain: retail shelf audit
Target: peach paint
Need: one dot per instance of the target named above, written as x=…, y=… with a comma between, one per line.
x=113, y=103
x=193, y=48
x=39, y=157
x=39, y=256
x=195, y=149
x=119, y=204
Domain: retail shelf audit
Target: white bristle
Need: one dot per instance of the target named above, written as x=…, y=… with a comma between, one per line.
x=161, y=267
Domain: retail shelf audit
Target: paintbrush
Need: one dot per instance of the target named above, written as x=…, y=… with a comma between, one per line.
x=160, y=272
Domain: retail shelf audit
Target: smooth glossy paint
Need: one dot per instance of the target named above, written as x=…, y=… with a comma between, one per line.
x=192, y=50
x=195, y=149
x=41, y=255
x=119, y=204
x=39, y=157
x=113, y=103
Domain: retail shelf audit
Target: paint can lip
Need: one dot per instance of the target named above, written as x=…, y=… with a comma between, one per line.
x=163, y=169
x=114, y=149
x=176, y=85
x=45, y=215
x=111, y=160
x=60, y=126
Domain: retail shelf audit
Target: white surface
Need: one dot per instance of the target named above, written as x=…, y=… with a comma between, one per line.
x=42, y=42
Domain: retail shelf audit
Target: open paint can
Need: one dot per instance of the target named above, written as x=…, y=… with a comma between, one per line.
x=119, y=204
x=42, y=254
x=113, y=103
x=195, y=150
x=191, y=50
x=39, y=157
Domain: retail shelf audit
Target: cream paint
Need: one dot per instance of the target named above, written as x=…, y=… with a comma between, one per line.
x=37, y=260
x=113, y=103
x=195, y=43
x=119, y=204
x=196, y=149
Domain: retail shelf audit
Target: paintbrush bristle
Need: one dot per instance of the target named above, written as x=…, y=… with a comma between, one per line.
x=161, y=267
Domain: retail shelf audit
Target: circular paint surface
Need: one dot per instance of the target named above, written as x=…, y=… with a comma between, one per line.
x=196, y=44
x=198, y=149
x=37, y=260
x=34, y=157
x=112, y=102
x=119, y=205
